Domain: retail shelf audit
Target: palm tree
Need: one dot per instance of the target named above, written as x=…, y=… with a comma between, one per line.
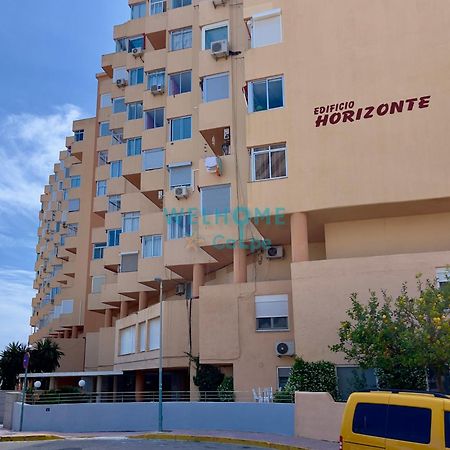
x=11, y=364
x=45, y=356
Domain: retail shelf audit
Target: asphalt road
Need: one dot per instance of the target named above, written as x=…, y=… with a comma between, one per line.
x=118, y=444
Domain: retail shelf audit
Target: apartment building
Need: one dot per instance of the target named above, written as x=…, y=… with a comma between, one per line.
x=259, y=159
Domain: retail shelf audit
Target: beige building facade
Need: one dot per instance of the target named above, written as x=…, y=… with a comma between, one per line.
x=264, y=160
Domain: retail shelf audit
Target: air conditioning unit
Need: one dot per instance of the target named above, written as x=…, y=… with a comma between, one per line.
x=160, y=195
x=226, y=134
x=286, y=348
x=137, y=52
x=121, y=82
x=180, y=289
x=181, y=192
x=275, y=252
x=219, y=49
x=157, y=89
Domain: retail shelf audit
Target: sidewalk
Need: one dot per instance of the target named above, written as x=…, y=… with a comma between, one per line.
x=264, y=440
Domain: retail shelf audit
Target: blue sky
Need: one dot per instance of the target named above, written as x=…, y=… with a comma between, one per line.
x=50, y=54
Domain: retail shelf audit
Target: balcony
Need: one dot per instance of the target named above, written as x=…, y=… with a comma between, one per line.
x=152, y=183
x=112, y=60
x=100, y=205
x=131, y=170
x=156, y=26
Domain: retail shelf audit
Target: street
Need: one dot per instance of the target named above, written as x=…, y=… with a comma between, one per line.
x=118, y=444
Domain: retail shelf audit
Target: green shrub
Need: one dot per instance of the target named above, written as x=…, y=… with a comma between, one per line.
x=283, y=397
x=226, y=390
x=319, y=376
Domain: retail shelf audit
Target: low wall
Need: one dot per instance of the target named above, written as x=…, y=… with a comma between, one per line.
x=10, y=407
x=2, y=405
x=274, y=418
x=318, y=416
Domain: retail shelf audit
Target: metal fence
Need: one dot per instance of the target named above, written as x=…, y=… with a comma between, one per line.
x=54, y=397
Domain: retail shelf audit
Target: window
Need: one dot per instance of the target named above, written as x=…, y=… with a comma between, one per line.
x=114, y=237
x=135, y=111
x=127, y=341
x=180, y=3
x=134, y=146
x=105, y=100
x=72, y=229
x=136, y=76
x=271, y=312
x=136, y=42
x=104, y=129
x=180, y=174
x=214, y=32
x=447, y=429
x=114, y=203
x=67, y=172
x=215, y=199
x=100, y=190
x=409, y=424
x=443, y=277
x=353, y=378
x=154, y=118
x=102, y=157
x=74, y=204
x=181, y=128
x=370, y=419
x=130, y=222
x=121, y=45
x=179, y=226
x=116, y=169
x=75, y=181
x=119, y=105
x=181, y=39
x=216, y=87
x=180, y=82
x=67, y=307
x=269, y=162
x=152, y=246
x=120, y=73
x=98, y=249
x=157, y=7
x=142, y=336
x=154, y=330
x=97, y=283
x=153, y=159
x=156, y=78
x=265, y=28
x=265, y=94
x=117, y=136
x=78, y=135
x=283, y=374
x=128, y=262
x=138, y=10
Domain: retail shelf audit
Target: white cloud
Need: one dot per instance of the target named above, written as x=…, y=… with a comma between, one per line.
x=16, y=287
x=29, y=146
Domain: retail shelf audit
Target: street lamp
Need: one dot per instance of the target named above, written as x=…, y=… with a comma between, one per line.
x=160, y=373
x=37, y=384
x=82, y=384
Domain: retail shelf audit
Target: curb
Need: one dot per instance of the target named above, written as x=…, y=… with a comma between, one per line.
x=31, y=438
x=217, y=439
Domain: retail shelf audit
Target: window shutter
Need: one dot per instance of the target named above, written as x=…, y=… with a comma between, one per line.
x=215, y=199
x=154, y=326
x=272, y=305
x=129, y=262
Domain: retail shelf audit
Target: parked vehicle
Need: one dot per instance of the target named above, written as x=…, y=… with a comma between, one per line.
x=396, y=420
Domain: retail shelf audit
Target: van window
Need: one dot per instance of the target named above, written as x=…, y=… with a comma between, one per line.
x=447, y=429
x=370, y=419
x=409, y=424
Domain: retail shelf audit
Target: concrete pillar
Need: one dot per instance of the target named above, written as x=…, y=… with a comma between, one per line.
x=239, y=263
x=98, y=389
x=74, y=332
x=123, y=309
x=140, y=386
x=51, y=384
x=299, y=237
x=66, y=334
x=198, y=279
x=143, y=300
x=108, y=318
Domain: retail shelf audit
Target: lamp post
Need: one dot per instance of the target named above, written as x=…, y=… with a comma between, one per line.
x=26, y=363
x=160, y=373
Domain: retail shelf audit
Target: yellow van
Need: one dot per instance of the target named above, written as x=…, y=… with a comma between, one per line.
x=394, y=420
